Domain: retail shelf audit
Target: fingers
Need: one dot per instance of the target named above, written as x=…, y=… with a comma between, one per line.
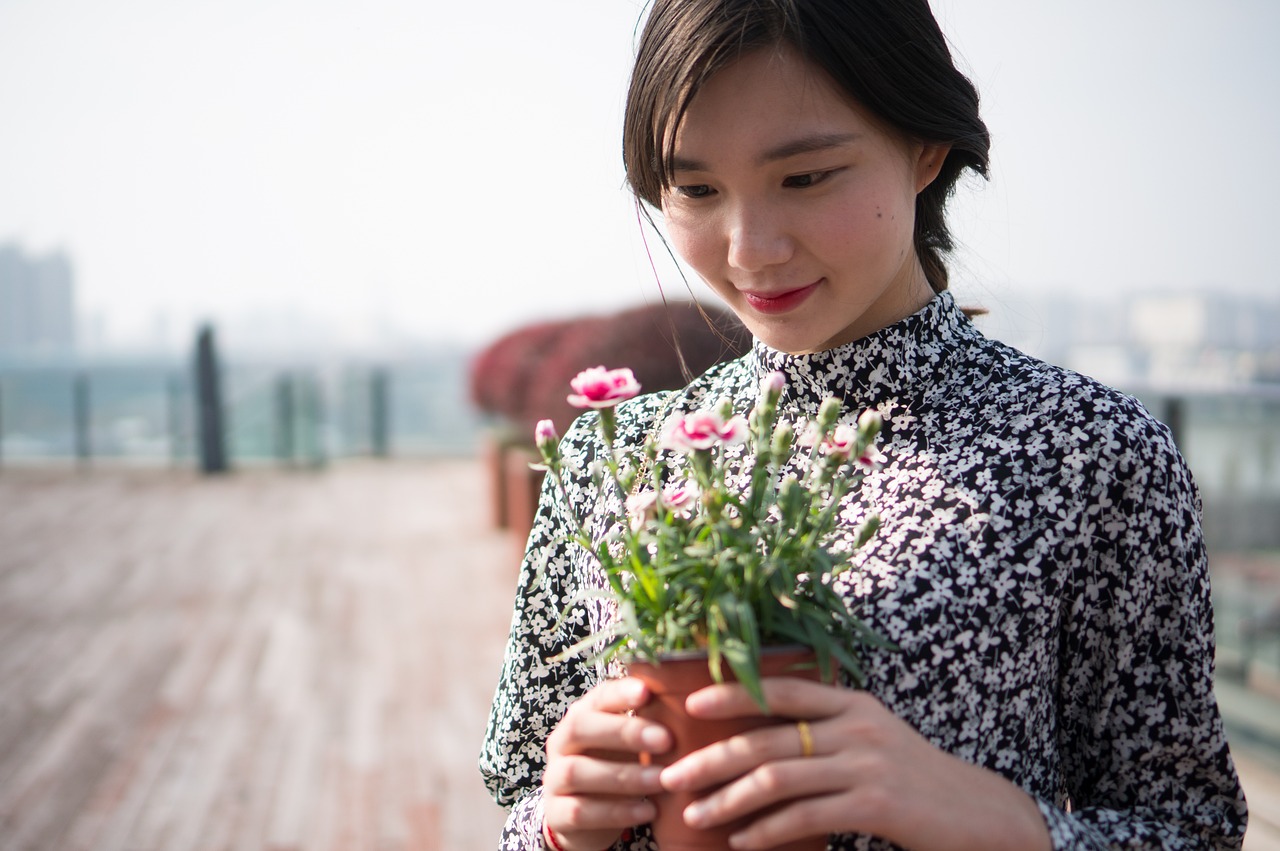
x=594, y=785
x=789, y=697
x=735, y=756
x=796, y=820
x=584, y=775
x=597, y=723
x=578, y=814
x=765, y=786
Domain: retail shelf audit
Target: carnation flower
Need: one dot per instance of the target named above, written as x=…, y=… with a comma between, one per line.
x=602, y=388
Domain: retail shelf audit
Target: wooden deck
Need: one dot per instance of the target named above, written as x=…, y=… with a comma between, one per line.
x=262, y=661
x=266, y=660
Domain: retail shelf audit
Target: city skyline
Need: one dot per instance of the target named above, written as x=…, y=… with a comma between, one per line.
x=445, y=173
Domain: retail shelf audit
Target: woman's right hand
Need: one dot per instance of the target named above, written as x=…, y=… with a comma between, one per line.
x=594, y=786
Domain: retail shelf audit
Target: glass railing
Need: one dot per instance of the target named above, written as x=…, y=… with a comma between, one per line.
x=144, y=412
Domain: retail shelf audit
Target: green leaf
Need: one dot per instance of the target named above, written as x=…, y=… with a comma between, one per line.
x=747, y=669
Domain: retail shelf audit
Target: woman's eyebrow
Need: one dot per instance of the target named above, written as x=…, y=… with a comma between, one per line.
x=790, y=148
x=806, y=145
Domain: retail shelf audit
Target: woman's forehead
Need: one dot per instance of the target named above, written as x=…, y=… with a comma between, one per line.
x=769, y=104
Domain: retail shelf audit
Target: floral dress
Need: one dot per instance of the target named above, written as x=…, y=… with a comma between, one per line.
x=1040, y=568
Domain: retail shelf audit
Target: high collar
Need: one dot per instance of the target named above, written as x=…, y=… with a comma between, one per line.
x=896, y=361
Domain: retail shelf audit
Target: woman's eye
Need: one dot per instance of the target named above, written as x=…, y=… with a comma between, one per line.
x=803, y=181
x=695, y=190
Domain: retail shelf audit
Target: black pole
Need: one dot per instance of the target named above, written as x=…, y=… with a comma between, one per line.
x=1175, y=418
x=380, y=413
x=212, y=437
x=285, y=419
x=174, y=395
x=315, y=417
x=83, y=418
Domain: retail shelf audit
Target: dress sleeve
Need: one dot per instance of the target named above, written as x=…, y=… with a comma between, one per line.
x=534, y=691
x=1144, y=756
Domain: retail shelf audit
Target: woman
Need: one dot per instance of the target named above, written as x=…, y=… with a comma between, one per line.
x=1040, y=565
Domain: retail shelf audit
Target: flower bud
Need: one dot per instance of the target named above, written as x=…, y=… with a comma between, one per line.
x=782, y=438
x=545, y=432
x=771, y=387
x=869, y=425
x=546, y=439
x=828, y=413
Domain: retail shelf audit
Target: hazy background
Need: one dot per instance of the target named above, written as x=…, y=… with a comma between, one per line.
x=431, y=171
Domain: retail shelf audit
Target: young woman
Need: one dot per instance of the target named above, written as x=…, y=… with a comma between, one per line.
x=1040, y=566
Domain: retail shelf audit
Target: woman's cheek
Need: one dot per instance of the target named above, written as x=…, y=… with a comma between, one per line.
x=695, y=242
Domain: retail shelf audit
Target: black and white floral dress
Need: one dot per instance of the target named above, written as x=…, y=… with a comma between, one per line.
x=1040, y=568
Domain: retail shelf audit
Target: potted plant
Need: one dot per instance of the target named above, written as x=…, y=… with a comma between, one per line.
x=519, y=379
x=726, y=548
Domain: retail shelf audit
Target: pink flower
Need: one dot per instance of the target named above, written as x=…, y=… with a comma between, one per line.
x=679, y=499
x=841, y=442
x=702, y=430
x=871, y=459
x=598, y=387
x=641, y=507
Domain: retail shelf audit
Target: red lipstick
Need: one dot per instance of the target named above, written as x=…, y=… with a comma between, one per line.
x=780, y=302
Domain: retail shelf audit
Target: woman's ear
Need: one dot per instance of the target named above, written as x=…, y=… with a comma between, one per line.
x=929, y=164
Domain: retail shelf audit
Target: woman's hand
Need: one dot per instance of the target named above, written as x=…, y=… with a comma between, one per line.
x=593, y=785
x=869, y=772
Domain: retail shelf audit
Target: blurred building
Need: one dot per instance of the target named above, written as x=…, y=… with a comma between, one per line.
x=1188, y=339
x=1206, y=339
x=37, y=303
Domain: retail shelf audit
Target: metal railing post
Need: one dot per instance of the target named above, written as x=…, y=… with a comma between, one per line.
x=173, y=395
x=209, y=421
x=83, y=419
x=380, y=413
x=315, y=416
x=1175, y=410
x=285, y=418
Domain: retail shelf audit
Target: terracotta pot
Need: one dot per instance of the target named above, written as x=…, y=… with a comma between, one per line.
x=494, y=455
x=670, y=683
x=523, y=486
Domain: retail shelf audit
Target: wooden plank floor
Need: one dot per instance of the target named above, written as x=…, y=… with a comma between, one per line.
x=268, y=660
x=262, y=661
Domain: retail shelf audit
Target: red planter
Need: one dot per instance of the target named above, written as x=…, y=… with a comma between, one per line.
x=522, y=487
x=669, y=684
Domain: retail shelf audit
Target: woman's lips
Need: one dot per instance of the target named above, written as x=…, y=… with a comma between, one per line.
x=780, y=302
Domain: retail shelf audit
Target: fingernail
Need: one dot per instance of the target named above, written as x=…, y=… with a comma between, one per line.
x=672, y=778
x=695, y=814
x=654, y=739
x=651, y=777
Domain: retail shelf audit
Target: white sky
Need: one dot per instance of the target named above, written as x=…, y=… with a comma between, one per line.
x=448, y=170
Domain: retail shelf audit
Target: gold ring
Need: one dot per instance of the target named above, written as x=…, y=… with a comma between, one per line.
x=806, y=738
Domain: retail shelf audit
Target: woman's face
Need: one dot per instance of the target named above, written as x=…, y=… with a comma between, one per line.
x=795, y=207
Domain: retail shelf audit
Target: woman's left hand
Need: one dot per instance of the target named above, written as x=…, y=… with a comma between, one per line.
x=869, y=772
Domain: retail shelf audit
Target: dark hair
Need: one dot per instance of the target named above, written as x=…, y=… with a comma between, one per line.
x=888, y=55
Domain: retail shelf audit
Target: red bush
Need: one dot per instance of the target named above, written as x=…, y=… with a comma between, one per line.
x=524, y=375
x=500, y=373
x=644, y=339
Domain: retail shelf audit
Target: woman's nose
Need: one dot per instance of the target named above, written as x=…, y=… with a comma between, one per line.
x=757, y=240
